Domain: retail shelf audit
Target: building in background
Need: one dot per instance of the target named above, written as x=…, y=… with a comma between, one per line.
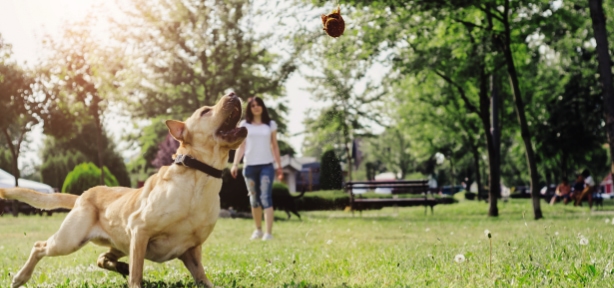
x=309, y=177
x=291, y=168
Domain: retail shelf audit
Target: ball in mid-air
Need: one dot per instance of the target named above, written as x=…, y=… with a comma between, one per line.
x=333, y=23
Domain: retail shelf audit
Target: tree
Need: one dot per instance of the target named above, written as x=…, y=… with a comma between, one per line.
x=352, y=96
x=184, y=54
x=393, y=150
x=57, y=165
x=20, y=107
x=75, y=76
x=605, y=70
x=285, y=148
x=464, y=59
x=504, y=34
x=331, y=177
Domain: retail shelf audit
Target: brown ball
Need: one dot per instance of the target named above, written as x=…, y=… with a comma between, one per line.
x=333, y=23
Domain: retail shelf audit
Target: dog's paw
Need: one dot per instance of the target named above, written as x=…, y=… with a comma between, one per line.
x=122, y=268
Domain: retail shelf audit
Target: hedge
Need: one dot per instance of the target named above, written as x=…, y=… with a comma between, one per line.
x=85, y=176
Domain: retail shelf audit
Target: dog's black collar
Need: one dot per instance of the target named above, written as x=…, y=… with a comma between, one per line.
x=188, y=161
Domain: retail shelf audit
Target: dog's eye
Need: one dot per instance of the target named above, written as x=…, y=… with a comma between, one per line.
x=205, y=111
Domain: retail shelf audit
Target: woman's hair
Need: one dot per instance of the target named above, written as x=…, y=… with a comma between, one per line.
x=249, y=117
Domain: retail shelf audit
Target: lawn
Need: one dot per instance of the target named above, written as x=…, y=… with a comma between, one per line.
x=383, y=248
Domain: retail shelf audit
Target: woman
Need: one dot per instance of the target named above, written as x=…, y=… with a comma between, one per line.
x=260, y=149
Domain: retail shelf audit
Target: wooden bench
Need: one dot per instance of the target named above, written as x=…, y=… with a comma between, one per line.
x=396, y=187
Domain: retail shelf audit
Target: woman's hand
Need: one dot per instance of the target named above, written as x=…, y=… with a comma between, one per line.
x=233, y=171
x=280, y=174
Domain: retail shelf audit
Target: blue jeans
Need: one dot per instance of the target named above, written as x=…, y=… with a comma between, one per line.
x=259, y=181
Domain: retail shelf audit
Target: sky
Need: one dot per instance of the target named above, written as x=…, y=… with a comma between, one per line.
x=24, y=22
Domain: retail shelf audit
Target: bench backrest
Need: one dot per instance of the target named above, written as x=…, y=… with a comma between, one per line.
x=397, y=187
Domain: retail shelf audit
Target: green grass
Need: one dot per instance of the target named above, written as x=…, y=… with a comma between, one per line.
x=383, y=248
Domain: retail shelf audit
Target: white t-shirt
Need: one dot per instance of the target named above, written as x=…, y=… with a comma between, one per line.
x=258, y=143
x=589, y=181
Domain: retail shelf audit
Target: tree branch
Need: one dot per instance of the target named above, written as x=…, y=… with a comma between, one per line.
x=466, y=23
x=460, y=89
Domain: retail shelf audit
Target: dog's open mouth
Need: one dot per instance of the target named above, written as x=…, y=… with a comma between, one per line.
x=229, y=130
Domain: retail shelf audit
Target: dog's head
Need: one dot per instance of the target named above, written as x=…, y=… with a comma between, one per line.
x=210, y=129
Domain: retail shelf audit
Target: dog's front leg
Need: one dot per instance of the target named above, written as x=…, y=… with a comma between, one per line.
x=138, y=248
x=192, y=260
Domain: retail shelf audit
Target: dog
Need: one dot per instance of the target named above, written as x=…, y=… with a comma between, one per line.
x=282, y=200
x=170, y=217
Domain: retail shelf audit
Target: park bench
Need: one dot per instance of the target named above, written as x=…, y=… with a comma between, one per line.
x=397, y=187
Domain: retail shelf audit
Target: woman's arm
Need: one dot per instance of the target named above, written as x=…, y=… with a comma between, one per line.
x=275, y=148
x=238, y=155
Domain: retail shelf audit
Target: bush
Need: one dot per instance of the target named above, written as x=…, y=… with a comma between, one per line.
x=280, y=188
x=323, y=200
x=56, y=166
x=331, y=176
x=85, y=176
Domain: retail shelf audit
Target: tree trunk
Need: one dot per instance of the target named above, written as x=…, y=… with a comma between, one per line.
x=493, y=176
x=15, y=203
x=520, y=114
x=494, y=179
x=564, y=165
x=605, y=70
x=478, y=174
x=495, y=159
x=15, y=153
x=100, y=148
x=346, y=140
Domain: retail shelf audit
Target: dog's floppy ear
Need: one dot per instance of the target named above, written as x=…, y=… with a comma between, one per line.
x=176, y=128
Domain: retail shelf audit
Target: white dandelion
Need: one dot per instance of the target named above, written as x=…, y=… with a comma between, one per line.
x=330, y=241
x=556, y=233
x=487, y=233
x=428, y=229
x=607, y=220
x=459, y=258
x=583, y=241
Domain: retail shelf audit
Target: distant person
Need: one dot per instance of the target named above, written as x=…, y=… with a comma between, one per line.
x=577, y=187
x=563, y=191
x=261, y=150
x=589, y=188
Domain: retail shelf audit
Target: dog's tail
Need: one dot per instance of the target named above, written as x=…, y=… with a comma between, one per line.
x=299, y=195
x=39, y=200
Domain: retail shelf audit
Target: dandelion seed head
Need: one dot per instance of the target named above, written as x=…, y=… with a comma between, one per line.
x=607, y=220
x=556, y=233
x=459, y=258
x=329, y=242
x=487, y=233
x=583, y=241
x=428, y=229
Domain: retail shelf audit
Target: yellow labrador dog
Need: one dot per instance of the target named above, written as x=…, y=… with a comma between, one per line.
x=170, y=217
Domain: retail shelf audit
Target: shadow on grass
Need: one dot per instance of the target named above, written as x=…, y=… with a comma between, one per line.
x=163, y=284
x=516, y=210
x=291, y=284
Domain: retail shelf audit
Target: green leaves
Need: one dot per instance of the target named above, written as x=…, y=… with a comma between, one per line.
x=187, y=54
